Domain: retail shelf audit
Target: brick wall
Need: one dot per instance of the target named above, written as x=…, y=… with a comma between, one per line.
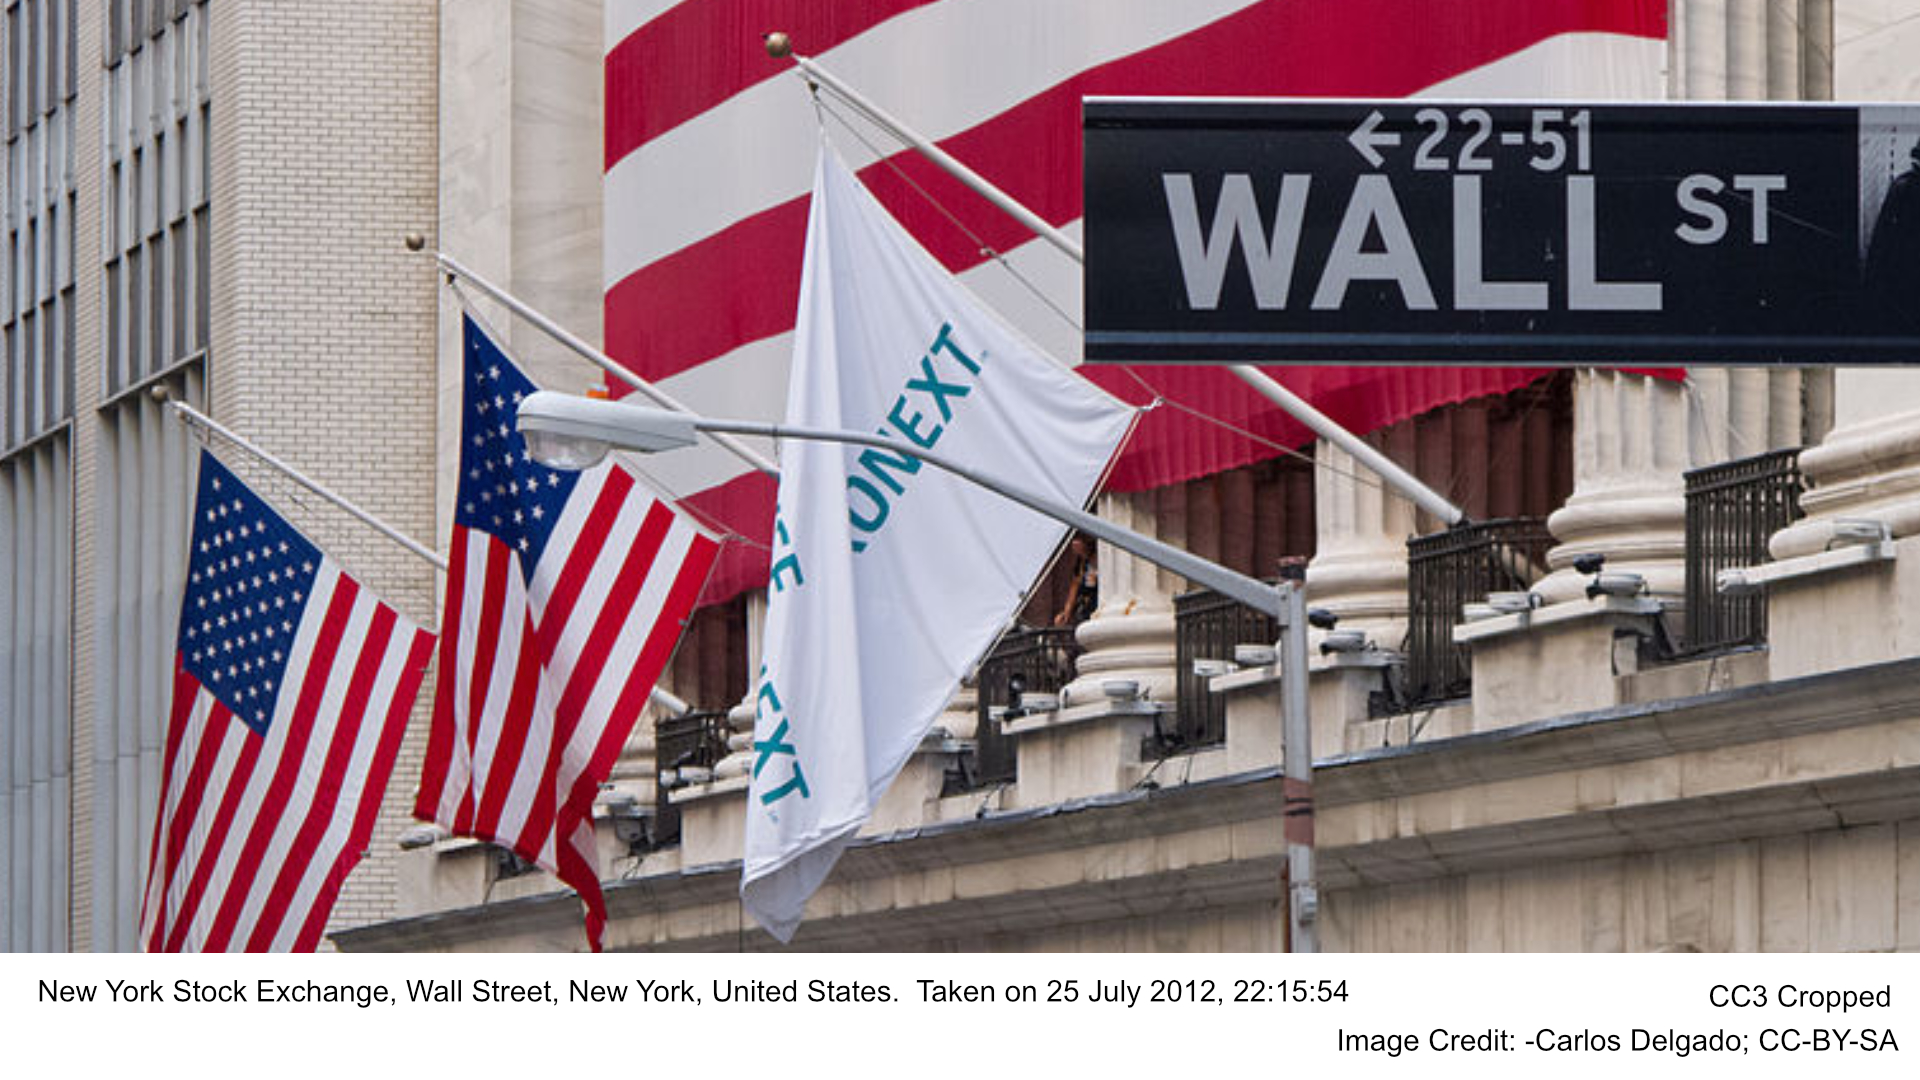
x=324, y=158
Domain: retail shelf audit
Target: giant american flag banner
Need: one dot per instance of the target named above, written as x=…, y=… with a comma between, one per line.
x=566, y=593
x=710, y=145
x=291, y=690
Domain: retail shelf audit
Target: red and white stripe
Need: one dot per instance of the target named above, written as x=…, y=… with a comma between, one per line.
x=710, y=150
x=256, y=833
x=541, y=684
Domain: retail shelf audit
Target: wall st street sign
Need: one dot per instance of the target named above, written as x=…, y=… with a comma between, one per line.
x=1453, y=232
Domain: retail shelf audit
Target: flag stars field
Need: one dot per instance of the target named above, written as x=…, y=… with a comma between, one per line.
x=260, y=821
x=568, y=591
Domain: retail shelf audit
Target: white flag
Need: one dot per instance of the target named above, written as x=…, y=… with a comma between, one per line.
x=890, y=578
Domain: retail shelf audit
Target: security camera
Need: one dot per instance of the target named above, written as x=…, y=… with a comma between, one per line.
x=1210, y=669
x=1343, y=641
x=1512, y=603
x=1121, y=689
x=1321, y=619
x=1256, y=655
x=1590, y=563
x=421, y=836
x=1616, y=583
x=1847, y=531
x=1016, y=686
x=1734, y=581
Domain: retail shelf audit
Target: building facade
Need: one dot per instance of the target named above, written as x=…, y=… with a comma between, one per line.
x=1600, y=774
x=216, y=205
x=207, y=196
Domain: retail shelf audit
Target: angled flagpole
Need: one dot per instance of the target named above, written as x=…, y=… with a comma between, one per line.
x=194, y=417
x=779, y=47
x=454, y=268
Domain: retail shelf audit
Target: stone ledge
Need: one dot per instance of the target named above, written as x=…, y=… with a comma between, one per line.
x=712, y=789
x=1810, y=703
x=1081, y=714
x=869, y=905
x=1556, y=614
x=1824, y=562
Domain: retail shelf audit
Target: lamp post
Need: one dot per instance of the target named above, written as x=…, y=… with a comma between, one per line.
x=568, y=432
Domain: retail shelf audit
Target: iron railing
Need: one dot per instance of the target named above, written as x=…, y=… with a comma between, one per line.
x=696, y=740
x=1445, y=572
x=1732, y=509
x=1035, y=660
x=1206, y=626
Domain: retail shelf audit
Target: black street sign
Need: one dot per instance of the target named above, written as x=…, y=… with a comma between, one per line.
x=1458, y=232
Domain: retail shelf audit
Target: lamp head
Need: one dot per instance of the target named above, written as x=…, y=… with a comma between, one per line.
x=564, y=431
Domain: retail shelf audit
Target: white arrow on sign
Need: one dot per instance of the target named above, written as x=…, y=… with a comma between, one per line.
x=1368, y=136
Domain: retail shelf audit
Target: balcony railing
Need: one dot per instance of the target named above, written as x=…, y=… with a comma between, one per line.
x=1732, y=509
x=697, y=740
x=1445, y=572
x=1029, y=660
x=1207, y=626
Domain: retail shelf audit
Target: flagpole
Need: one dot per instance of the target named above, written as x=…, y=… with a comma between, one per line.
x=760, y=462
x=190, y=415
x=779, y=46
x=193, y=416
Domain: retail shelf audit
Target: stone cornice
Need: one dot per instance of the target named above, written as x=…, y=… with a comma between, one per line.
x=1770, y=711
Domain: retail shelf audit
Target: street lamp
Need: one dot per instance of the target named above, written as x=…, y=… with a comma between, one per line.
x=564, y=431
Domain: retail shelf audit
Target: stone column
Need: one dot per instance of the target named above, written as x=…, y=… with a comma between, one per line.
x=1867, y=467
x=1130, y=636
x=1359, y=568
x=1630, y=445
x=740, y=718
x=1634, y=436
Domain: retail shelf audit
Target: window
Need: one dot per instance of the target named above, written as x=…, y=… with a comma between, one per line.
x=157, y=242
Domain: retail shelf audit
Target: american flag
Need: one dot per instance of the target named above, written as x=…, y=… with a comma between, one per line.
x=291, y=690
x=566, y=593
x=710, y=150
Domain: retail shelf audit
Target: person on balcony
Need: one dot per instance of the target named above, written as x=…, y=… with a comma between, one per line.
x=1083, y=596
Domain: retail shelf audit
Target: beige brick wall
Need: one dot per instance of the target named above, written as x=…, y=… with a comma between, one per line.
x=324, y=158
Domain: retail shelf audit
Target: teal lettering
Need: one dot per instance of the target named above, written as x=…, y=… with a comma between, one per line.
x=876, y=462
x=934, y=388
x=788, y=563
x=880, y=509
x=785, y=564
x=764, y=751
x=945, y=341
x=798, y=782
x=910, y=426
x=767, y=696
